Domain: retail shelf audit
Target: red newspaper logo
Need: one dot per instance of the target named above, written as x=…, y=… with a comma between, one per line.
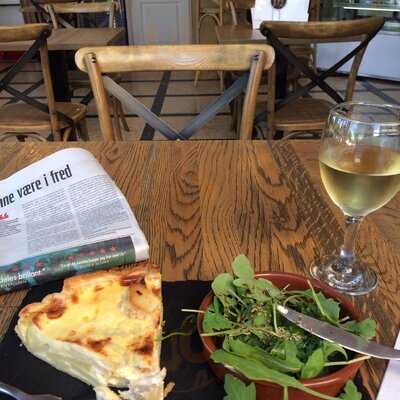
x=3, y=216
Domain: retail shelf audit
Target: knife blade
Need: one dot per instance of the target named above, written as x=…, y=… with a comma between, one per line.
x=331, y=333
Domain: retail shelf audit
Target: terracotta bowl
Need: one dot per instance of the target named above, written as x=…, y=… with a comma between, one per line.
x=331, y=384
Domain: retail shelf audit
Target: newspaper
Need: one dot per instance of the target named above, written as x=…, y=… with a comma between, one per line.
x=61, y=216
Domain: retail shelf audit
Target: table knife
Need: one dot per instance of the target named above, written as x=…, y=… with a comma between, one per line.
x=20, y=395
x=331, y=333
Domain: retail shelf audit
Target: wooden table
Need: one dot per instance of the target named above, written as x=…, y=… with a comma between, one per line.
x=231, y=34
x=62, y=40
x=201, y=203
x=73, y=39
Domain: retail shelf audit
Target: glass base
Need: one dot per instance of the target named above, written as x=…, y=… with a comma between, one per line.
x=349, y=277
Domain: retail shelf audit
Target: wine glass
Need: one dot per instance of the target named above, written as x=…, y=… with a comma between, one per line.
x=359, y=163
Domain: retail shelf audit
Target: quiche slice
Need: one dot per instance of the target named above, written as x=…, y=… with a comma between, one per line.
x=102, y=328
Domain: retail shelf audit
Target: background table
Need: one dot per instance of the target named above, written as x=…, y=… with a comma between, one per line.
x=66, y=39
x=202, y=203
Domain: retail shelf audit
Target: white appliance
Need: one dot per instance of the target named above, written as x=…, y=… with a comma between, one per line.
x=10, y=13
x=381, y=60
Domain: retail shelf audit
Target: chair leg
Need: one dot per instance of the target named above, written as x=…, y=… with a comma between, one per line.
x=221, y=80
x=196, y=78
x=118, y=133
x=122, y=116
x=238, y=114
x=259, y=132
x=83, y=131
x=66, y=134
x=271, y=132
x=234, y=114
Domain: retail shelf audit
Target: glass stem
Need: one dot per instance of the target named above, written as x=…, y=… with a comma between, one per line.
x=347, y=251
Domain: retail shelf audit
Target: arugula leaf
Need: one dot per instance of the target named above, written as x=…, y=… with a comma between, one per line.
x=215, y=322
x=216, y=305
x=366, y=329
x=350, y=392
x=255, y=353
x=259, y=296
x=287, y=351
x=260, y=319
x=330, y=306
x=330, y=348
x=266, y=285
x=314, y=365
x=242, y=268
x=222, y=284
x=255, y=370
x=237, y=390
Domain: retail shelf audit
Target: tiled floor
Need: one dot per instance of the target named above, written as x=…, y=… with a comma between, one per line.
x=177, y=100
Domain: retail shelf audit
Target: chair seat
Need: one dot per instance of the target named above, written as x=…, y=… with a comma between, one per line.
x=303, y=114
x=21, y=117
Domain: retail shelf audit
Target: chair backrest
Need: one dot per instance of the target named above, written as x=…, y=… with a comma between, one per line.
x=330, y=31
x=319, y=31
x=21, y=33
x=55, y=9
x=104, y=60
x=362, y=31
x=38, y=33
x=33, y=10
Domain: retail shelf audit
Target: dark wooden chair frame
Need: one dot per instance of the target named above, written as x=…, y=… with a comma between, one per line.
x=17, y=68
x=5, y=84
x=98, y=62
x=316, y=79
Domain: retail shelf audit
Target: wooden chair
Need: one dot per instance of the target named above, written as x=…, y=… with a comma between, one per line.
x=56, y=11
x=34, y=11
x=254, y=58
x=28, y=117
x=297, y=113
x=216, y=13
x=307, y=52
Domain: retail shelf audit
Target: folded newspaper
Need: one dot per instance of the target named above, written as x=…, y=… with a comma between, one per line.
x=61, y=216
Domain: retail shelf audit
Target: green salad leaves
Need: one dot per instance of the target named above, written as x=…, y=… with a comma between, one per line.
x=236, y=390
x=262, y=345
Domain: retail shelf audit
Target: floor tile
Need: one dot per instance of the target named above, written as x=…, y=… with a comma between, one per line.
x=188, y=88
x=187, y=105
x=142, y=76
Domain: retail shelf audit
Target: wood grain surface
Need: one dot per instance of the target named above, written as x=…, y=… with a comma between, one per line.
x=73, y=39
x=200, y=203
x=229, y=34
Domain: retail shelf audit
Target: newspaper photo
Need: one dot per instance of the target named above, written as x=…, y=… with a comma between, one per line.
x=61, y=216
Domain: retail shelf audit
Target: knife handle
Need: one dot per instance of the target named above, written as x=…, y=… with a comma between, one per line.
x=12, y=391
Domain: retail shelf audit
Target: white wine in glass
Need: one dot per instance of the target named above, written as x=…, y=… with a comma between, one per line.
x=360, y=169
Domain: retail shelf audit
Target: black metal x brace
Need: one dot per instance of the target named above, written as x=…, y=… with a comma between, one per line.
x=30, y=89
x=210, y=111
x=17, y=67
x=316, y=79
